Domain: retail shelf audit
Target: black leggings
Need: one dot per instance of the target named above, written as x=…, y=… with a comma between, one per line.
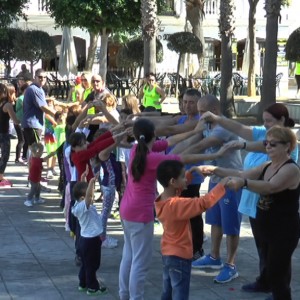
x=297, y=77
x=21, y=141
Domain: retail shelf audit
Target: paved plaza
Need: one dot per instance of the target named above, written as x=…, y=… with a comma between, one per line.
x=37, y=254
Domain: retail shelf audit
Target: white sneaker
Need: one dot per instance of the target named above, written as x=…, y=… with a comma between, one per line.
x=28, y=203
x=55, y=173
x=49, y=174
x=39, y=201
x=110, y=243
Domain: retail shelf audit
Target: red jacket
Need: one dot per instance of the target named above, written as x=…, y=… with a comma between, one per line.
x=82, y=158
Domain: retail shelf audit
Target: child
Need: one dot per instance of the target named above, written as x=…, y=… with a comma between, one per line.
x=35, y=173
x=175, y=212
x=90, y=242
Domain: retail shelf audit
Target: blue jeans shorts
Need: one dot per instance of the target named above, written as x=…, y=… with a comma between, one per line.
x=225, y=212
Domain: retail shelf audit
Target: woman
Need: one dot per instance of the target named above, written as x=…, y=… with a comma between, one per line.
x=136, y=208
x=276, y=114
x=6, y=112
x=151, y=94
x=277, y=221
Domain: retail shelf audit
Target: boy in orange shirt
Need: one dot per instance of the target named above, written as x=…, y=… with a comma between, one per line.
x=175, y=212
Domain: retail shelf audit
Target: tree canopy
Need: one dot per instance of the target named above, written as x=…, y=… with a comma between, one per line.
x=10, y=11
x=293, y=46
x=95, y=15
x=184, y=42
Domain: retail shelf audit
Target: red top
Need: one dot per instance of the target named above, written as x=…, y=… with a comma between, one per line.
x=82, y=158
x=35, y=169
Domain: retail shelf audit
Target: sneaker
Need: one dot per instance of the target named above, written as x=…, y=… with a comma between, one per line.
x=101, y=291
x=54, y=172
x=207, y=262
x=5, y=183
x=198, y=254
x=49, y=174
x=39, y=201
x=255, y=287
x=82, y=289
x=110, y=243
x=28, y=203
x=227, y=274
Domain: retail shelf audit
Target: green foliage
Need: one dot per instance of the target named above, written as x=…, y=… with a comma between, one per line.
x=95, y=15
x=7, y=50
x=132, y=53
x=33, y=45
x=11, y=10
x=292, y=47
x=184, y=42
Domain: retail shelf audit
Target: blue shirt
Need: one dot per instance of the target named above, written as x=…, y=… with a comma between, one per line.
x=34, y=99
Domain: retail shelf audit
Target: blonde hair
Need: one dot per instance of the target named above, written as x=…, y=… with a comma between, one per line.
x=284, y=134
x=131, y=102
x=110, y=101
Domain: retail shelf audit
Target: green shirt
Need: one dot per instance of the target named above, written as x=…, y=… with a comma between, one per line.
x=19, y=108
x=151, y=96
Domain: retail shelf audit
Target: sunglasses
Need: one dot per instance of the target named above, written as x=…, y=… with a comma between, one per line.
x=273, y=144
x=96, y=81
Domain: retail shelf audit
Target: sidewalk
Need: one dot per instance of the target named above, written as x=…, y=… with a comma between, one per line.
x=37, y=254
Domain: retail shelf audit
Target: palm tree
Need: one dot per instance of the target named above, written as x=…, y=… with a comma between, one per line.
x=252, y=43
x=195, y=15
x=226, y=25
x=268, y=95
x=149, y=28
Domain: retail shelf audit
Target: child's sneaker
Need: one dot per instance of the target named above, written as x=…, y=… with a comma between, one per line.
x=28, y=203
x=49, y=174
x=207, y=262
x=227, y=274
x=110, y=243
x=5, y=183
x=82, y=289
x=101, y=291
x=39, y=201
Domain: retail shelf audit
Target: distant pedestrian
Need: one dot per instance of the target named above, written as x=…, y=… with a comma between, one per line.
x=35, y=173
x=90, y=242
x=297, y=77
x=175, y=212
x=24, y=74
x=34, y=107
x=6, y=112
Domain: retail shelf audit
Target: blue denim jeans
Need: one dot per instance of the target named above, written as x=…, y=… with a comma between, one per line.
x=176, y=278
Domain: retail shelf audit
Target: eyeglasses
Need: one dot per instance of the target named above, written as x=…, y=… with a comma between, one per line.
x=42, y=77
x=96, y=81
x=273, y=144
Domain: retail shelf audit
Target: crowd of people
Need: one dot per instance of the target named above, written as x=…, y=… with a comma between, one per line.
x=128, y=149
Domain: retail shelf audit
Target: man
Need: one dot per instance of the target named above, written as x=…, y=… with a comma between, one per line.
x=223, y=217
x=34, y=108
x=24, y=74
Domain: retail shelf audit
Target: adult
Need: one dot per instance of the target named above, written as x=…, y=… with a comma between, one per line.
x=275, y=114
x=6, y=112
x=297, y=77
x=223, y=217
x=151, y=94
x=24, y=74
x=34, y=108
x=131, y=102
x=277, y=221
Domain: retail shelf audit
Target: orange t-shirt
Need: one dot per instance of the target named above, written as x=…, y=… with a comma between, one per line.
x=175, y=214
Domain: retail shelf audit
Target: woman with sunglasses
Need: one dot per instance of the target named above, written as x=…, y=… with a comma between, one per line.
x=276, y=114
x=277, y=183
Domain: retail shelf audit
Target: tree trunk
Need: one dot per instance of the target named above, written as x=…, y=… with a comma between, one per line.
x=226, y=92
x=268, y=95
x=149, y=28
x=149, y=54
x=177, y=75
x=103, y=54
x=252, y=48
x=91, y=51
x=226, y=24
x=195, y=16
